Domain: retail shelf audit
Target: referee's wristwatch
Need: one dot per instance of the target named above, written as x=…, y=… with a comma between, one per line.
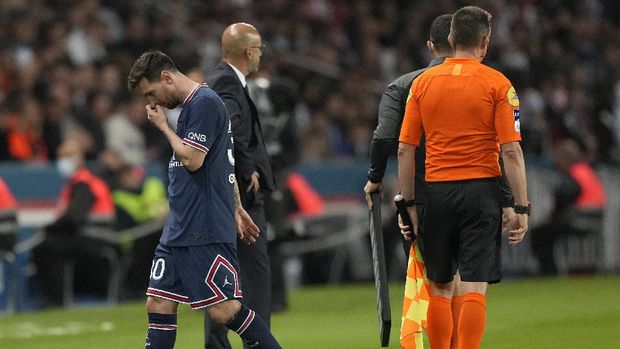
x=520, y=209
x=508, y=201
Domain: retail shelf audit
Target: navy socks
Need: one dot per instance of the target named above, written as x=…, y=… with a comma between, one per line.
x=251, y=328
x=162, y=331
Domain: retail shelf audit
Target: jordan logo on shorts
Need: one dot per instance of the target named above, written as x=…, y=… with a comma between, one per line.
x=226, y=282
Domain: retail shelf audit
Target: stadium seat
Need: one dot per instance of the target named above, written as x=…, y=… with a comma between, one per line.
x=8, y=294
x=581, y=253
x=336, y=234
x=116, y=261
x=575, y=254
x=117, y=251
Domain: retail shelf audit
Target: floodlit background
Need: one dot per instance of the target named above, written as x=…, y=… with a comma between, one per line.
x=63, y=66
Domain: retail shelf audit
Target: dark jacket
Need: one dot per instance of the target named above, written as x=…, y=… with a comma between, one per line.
x=249, y=147
x=385, y=138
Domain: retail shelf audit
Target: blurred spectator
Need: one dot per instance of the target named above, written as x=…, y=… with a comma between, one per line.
x=563, y=57
x=196, y=74
x=8, y=237
x=316, y=139
x=302, y=199
x=275, y=101
x=110, y=163
x=8, y=220
x=92, y=120
x=57, y=116
x=85, y=207
x=123, y=132
x=23, y=133
x=111, y=81
x=579, y=204
x=85, y=41
x=138, y=200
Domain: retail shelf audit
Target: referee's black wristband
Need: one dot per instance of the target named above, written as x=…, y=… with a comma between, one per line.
x=374, y=178
x=520, y=209
x=508, y=201
x=410, y=203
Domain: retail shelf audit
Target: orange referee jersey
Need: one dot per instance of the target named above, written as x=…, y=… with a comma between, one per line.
x=466, y=110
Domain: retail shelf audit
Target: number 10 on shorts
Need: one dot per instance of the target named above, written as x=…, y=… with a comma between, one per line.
x=157, y=269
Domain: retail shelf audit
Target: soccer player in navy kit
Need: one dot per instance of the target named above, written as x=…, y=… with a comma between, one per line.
x=195, y=262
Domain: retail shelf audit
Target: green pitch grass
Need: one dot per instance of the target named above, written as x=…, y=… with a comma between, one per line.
x=543, y=313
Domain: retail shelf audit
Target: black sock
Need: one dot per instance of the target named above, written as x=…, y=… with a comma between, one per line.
x=251, y=328
x=162, y=331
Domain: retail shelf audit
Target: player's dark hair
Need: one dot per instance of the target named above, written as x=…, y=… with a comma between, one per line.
x=469, y=25
x=149, y=66
x=440, y=28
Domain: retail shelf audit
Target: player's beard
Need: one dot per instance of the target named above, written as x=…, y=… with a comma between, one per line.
x=170, y=104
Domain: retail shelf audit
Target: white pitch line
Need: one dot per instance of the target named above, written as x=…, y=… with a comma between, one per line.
x=29, y=329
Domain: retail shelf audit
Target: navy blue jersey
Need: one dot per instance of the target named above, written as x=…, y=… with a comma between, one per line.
x=201, y=202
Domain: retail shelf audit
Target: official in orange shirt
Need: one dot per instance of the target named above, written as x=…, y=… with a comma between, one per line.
x=8, y=219
x=579, y=203
x=465, y=109
x=85, y=208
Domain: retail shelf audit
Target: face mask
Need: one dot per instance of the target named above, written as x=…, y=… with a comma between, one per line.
x=66, y=167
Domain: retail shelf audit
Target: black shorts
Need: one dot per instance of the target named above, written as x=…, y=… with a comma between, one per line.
x=462, y=229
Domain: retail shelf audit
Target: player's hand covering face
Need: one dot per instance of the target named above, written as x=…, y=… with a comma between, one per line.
x=157, y=116
x=246, y=229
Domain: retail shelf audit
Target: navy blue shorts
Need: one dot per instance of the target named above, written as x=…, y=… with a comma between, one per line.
x=196, y=275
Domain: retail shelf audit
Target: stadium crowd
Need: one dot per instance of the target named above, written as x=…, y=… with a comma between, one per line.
x=63, y=66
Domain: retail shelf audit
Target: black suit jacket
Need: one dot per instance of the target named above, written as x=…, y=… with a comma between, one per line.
x=249, y=147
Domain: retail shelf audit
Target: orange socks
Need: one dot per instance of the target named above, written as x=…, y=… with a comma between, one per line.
x=457, y=302
x=439, y=321
x=471, y=321
x=457, y=323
